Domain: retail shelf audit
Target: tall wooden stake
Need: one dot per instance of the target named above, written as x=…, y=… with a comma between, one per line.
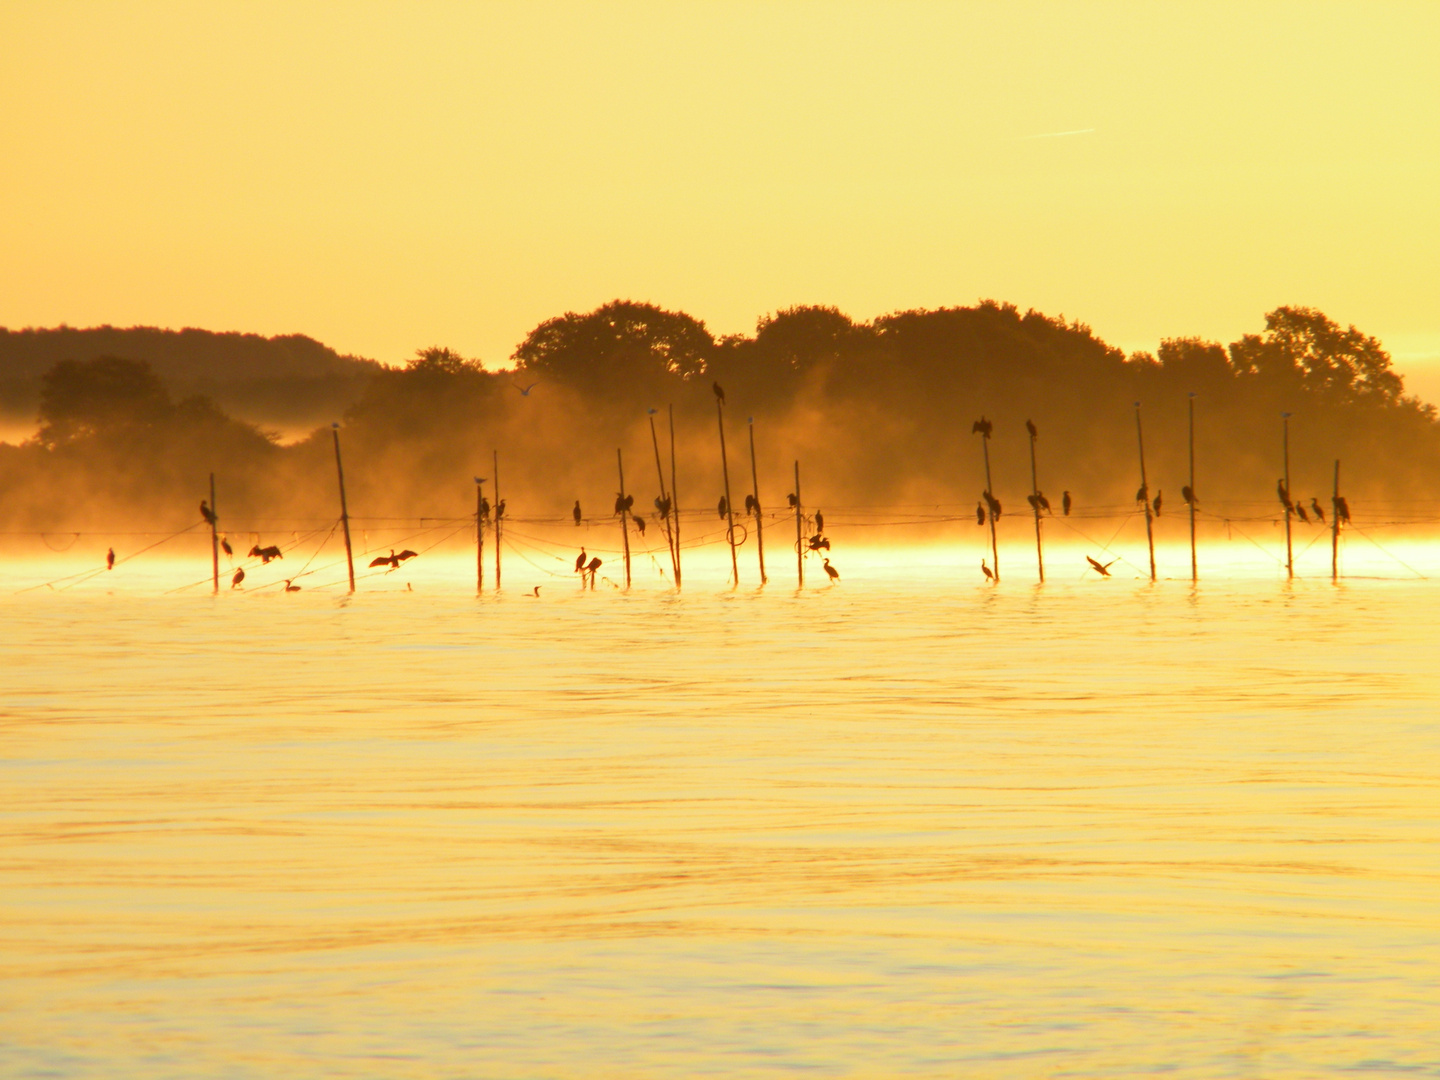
x=1145, y=489
x=729, y=505
x=1194, y=566
x=479, y=536
x=1035, y=501
x=624, y=516
x=1335, y=525
x=990, y=501
x=799, y=533
x=1289, y=554
x=344, y=510
x=664, y=496
x=755, y=487
x=675, y=495
x=495, y=477
x=214, y=539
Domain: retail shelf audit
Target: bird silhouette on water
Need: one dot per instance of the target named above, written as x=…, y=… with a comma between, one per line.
x=110, y=559
x=393, y=560
x=237, y=577
x=1103, y=569
x=834, y=574
x=207, y=513
x=1319, y=514
x=1065, y=502
x=290, y=587
x=989, y=574
x=576, y=513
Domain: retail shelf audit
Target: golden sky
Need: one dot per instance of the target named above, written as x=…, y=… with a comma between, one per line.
x=390, y=176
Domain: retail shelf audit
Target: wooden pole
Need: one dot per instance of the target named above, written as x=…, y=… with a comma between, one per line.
x=624, y=516
x=755, y=487
x=479, y=536
x=1194, y=566
x=214, y=539
x=990, y=502
x=674, y=495
x=1035, y=501
x=799, y=533
x=729, y=505
x=664, y=496
x=1335, y=525
x=344, y=510
x=1289, y=552
x=495, y=477
x=1145, y=490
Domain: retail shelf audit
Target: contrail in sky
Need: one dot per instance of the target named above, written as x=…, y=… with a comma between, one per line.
x=1056, y=134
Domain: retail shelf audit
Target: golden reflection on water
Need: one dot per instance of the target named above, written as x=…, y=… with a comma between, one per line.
x=882, y=829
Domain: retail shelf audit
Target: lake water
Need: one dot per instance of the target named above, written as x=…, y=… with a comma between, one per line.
x=902, y=826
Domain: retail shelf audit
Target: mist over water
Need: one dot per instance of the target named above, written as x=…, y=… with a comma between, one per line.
x=903, y=825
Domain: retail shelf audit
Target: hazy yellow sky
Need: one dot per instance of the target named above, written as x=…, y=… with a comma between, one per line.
x=385, y=177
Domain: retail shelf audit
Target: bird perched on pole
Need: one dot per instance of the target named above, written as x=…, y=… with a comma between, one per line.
x=1301, y=514
x=1319, y=514
x=994, y=505
x=1142, y=494
x=1284, y=496
x=719, y=392
x=225, y=547
x=983, y=426
x=792, y=500
x=207, y=513
x=1342, y=510
x=1044, y=502
x=1188, y=494
x=639, y=523
x=580, y=561
x=1030, y=427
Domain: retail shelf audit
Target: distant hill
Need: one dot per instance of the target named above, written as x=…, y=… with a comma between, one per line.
x=290, y=381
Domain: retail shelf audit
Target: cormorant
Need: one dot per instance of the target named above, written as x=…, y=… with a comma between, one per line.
x=499, y=509
x=580, y=561
x=979, y=513
x=1342, y=510
x=1159, y=498
x=576, y=512
x=237, y=577
x=639, y=523
x=484, y=508
x=819, y=521
x=1284, y=495
x=110, y=559
x=265, y=554
x=619, y=503
x=792, y=500
x=723, y=506
x=817, y=542
x=1102, y=568
x=1300, y=513
x=751, y=506
x=719, y=393
x=225, y=547
x=983, y=426
x=1030, y=427
x=1315, y=506
x=392, y=560
x=834, y=574
x=1065, y=502
x=1188, y=494
x=994, y=505
x=207, y=513
x=1034, y=501
x=536, y=593
x=289, y=587
x=1044, y=502
x=662, y=506
x=1142, y=494
x=989, y=574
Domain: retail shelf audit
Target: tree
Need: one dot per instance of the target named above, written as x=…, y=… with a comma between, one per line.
x=79, y=398
x=1303, y=342
x=619, y=342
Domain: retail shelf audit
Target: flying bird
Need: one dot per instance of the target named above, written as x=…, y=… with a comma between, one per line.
x=1102, y=568
x=576, y=512
x=207, y=513
x=524, y=390
x=237, y=577
x=110, y=559
x=1030, y=427
x=989, y=574
x=719, y=392
x=1315, y=506
x=1065, y=503
x=834, y=574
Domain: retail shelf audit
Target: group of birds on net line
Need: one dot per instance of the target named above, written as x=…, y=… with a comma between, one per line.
x=542, y=553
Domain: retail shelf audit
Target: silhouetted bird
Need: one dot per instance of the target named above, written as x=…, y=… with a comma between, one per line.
x=819, y=521
x=723, y=506
x=110, y=559
x=536, y=593
x=524, y=390
x=1142, y=494
x=994, y=505
x=1102, y=568
x=817, y=542
x=1044, y=502
x=484, y=508
x=1300, y=513
x=792, y=500
x=1159, y=499
x=1283, y=495
x=1030, y=427
x=619, y=504
x=265, y=554
x=639, y=523
x=719, y=393
x=662, y=507
x=1319, y=514
x=983, y=426
x=392, y=560
x=580, y=561
x=834, y=574
x=1065, y=502
x=1034, y=501
x=576, y=512
x=1342, y=510
x=1188, y=494
x=207, y=513
x=989, y=574
x=225, y=547
x=291, y=587
x=237, y=577
x=980, y=513
x=751, y=506
x=499, y=509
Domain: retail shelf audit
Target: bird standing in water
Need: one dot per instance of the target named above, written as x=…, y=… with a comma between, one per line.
x=989, y=574
x=110, y=559
x=834, y=574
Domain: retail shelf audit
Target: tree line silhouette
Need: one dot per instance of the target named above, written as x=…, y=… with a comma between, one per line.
x=879, y=413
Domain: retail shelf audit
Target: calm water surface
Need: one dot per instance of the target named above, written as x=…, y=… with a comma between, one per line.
x=890, y=828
